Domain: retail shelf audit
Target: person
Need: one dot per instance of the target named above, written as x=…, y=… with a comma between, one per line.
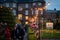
x=13, y=34
x=19, y=32
x=26, y=28
x=7, y=34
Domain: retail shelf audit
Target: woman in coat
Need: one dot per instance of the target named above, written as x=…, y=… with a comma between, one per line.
x=7, y=34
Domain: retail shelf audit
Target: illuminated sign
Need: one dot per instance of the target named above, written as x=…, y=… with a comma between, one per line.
x=49, y=25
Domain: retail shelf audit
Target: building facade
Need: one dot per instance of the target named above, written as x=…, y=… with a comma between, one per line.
x=50, y=15
x=29, y=9
x=12, y=5
x=25, y=10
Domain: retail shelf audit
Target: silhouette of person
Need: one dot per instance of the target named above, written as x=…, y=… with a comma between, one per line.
x=19, y=32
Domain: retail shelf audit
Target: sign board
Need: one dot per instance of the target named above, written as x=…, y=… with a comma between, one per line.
x=49, y=25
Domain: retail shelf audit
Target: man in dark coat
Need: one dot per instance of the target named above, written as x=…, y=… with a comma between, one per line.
x=13, y=37
x=26, y=28
x=19, y=32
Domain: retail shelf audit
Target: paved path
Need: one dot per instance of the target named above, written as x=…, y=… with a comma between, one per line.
x=25, y=37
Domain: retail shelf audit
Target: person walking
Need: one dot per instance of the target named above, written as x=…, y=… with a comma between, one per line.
x=7, y=34
x=13, y=35
x=19, y=32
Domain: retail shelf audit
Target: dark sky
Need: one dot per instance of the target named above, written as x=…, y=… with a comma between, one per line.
x=53, y=4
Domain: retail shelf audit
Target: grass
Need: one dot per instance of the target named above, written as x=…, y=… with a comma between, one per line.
x=46, y=33
x=50, y=34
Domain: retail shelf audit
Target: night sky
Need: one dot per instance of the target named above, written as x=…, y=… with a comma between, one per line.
x=53, y=4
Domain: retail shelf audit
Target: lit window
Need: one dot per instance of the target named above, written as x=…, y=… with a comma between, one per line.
x=20, y=16
x=41, y=12
x=32, y=11
x=26, y=17
x=26, y=5
x=39, y=4
x=36, y=11
x=7, y=4
x=26, y=12
x=14, y=11
x=26, y=22
x=20, y=8
x=34, y=4
x=14, y=4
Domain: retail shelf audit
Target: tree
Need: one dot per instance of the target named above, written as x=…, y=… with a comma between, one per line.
x=57, y=25
x=6, y=16
x=6, y=19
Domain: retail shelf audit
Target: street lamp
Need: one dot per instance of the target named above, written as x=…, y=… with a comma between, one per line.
x=26, y=23
x=31, y=20
x=37, y=18
x=49, y=3
x=42, y=23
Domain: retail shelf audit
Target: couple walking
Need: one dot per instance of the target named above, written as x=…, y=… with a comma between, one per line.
x=16, y=34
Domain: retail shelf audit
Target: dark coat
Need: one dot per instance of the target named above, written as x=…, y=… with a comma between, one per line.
x=7, y=34
x=19, y=32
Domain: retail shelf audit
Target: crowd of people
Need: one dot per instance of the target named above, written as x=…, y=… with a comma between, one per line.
x=17, y=33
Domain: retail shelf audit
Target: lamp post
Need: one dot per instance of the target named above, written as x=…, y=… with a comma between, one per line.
x=37, y=20
x=42, y=23
x=49, y=3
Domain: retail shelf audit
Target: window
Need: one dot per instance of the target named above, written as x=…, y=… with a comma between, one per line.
x=26, y=5
x=7, y=4
x=36, y=11
x=19, y=16
x=14, y=4
x=41, y=12
x=14, y=11
x=20, y=8
x=34, y=4
x=39, y=4
x=26, y=12
x=32, y=12
x=26, y=17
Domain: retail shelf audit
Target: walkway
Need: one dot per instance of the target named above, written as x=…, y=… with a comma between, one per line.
x=25, y=37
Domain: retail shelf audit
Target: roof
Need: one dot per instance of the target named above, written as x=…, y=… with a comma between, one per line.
x=51, y=11
x=22, y=1
x=1, y=1
x=58, y=12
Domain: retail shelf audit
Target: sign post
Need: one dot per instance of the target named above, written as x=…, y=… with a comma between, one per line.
x=49, y=25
